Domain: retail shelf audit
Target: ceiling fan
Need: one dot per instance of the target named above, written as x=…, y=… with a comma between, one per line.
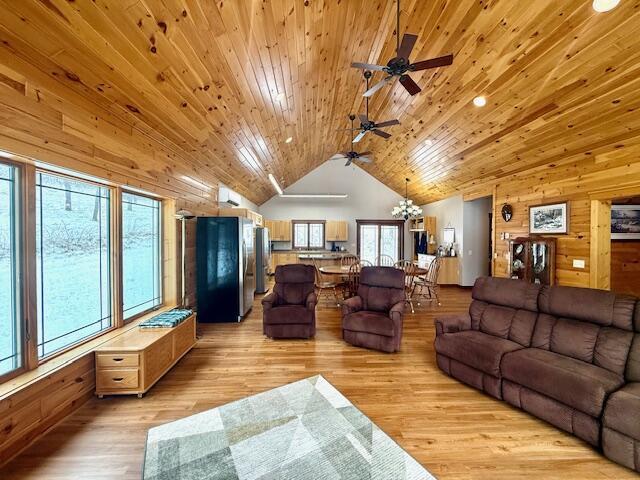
x=353, y=155
x=399, y=66
x=367, y=125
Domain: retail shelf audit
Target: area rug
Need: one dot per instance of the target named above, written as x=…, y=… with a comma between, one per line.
x=306, y=430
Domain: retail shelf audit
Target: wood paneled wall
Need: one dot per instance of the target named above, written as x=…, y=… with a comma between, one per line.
x=625, y=267
x=609, y=173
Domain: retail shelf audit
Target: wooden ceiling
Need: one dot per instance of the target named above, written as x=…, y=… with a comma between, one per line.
x=221, y=85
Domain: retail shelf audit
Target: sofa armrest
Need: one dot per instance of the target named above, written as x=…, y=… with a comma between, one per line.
x=453, y=323
x=351, y=305
x=269, y=301
x=397, y=311
x=311, y=301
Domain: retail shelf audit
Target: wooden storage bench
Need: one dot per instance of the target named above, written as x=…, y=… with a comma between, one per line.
x=133, y=362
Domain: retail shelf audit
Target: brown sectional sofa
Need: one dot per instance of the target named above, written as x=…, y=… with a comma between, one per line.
x=570, y=356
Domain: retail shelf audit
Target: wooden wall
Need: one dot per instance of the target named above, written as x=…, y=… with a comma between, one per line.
x=625, y=267
x=611, y=172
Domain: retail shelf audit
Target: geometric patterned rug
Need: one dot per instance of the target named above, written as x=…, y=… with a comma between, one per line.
x=305, y=430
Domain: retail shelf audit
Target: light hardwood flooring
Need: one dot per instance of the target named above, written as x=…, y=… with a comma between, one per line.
x=451, y=429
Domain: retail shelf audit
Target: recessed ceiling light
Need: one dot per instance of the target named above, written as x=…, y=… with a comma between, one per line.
x=274, y=182
x=601, y=6
x=480, y=101
x=289, y=140
x=281, y=96
x=428, y=142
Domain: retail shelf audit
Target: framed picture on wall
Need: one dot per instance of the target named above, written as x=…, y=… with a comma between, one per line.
x=625, y=222
x=549, y=219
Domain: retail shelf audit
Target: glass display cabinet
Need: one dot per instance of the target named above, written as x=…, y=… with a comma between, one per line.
x=533, y=259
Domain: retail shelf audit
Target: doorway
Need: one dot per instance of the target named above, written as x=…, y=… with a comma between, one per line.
x=380, y=237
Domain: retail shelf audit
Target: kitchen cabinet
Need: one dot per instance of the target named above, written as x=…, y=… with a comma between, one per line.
x=449, y=273
x=241, y=212
x=282, y=258
x=279, y=230
x=336, y=231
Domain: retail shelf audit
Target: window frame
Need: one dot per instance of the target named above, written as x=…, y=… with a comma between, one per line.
x=116, y=308
x=18, y=225
x=161, y=258
x=308, y=223
x=400, y=224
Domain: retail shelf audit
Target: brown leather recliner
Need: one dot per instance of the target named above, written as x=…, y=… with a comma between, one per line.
x=373, y=318
x=289, y=311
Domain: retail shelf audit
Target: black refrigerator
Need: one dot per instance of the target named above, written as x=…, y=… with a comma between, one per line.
x=225, y=266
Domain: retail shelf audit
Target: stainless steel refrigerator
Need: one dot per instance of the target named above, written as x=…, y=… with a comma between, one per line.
x=263, y=253
x=225, y=266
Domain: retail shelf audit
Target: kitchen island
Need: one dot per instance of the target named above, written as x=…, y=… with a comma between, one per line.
x=321, y=257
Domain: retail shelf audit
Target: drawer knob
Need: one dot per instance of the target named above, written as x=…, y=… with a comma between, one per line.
x=118, y=379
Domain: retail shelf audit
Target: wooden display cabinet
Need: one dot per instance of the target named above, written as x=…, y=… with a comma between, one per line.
x=533, y=259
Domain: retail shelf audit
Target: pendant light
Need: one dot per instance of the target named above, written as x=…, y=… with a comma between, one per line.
x=406, y=209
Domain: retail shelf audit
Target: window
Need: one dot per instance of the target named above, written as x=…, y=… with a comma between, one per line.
x=10, y=326
x=141, y=259
x=72, y=260
x=379, y=237
x=308, y=234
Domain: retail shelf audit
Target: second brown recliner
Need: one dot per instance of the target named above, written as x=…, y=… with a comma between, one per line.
x=373, y=318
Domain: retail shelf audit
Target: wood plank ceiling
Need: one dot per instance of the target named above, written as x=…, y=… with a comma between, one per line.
x=222, y=84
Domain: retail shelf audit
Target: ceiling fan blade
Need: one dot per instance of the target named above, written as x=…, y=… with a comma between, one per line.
x=348, y=163
x=359, y=136
x=365, y=159
x=363, y=154
x=380, y=133
x=388, y=123
x=367, y=66
x=408, y=83
x=432, y=63
x=378, y=86
x=363, y=119
x=408, y=42
x=338, y=156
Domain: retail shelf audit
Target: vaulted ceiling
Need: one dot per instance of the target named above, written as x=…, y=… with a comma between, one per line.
x=224, y=83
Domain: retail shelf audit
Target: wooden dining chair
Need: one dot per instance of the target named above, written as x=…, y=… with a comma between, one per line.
x=353, y=280
x=428, y=282
x=384, y=261
x=410, y=270
x=348, y=260
x=325, y=286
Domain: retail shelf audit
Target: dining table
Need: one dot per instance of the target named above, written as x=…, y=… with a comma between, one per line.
x=344, y=270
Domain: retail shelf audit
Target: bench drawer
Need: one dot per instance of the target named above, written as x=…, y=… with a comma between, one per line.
x=117, y=379
x=117, y=360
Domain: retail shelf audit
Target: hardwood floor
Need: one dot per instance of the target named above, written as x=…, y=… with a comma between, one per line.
x=453, y=430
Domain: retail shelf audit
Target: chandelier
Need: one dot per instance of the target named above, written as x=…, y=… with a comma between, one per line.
x=406, y=209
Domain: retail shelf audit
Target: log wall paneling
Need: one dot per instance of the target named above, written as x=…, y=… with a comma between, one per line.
x=600, y=271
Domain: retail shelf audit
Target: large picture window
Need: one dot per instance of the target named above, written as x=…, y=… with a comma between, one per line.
x=308, y=234
x=10, y=327
x=141, y=259
x=73, y=261
x=378, y=239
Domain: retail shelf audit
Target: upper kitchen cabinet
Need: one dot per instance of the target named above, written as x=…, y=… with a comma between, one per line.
x=279, y=230
x=336, y=231
x=242, y=212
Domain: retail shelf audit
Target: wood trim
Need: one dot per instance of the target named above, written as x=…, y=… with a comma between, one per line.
x=116, y=257
x=29, y=263
x=600, y=254
x=170, y=245
x=308, y=222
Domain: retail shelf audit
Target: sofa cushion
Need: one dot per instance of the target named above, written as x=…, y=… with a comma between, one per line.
x=506, y=292
x=600, y=307
x=622, y=412
x=632, y=373
x=575, y=383
x=294, y=283
x=381, y=288
x=574, y=339
x=475, y=349
x=369, y=322
x=287, y=315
